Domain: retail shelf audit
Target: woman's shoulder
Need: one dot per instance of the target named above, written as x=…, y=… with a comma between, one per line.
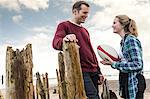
x=131, y=39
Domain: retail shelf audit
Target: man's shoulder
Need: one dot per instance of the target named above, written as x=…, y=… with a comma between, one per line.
x=64, y=23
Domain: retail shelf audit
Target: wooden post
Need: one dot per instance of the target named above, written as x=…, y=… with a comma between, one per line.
x=37, y=93
x=47, y=86
x=10, y=85
x=73, y=73
x=44, y=85
x=62, y=82
x=39, y=86
x=2, y=79
x=28, y=65
x=58, y=80
x=1, y=95
x=34, y=92
x=19, y=82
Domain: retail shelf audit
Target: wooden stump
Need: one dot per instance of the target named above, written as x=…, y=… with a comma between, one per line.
x=47, y=86
x=61, y=74
x=39, y=87
x=73, y=73
x=59, y=82
x=1, y=95
x=19, y=82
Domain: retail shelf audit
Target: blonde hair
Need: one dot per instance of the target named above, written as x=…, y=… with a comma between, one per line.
x=128, y=24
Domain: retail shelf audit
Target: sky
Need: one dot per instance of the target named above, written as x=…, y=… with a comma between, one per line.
x=35, y=22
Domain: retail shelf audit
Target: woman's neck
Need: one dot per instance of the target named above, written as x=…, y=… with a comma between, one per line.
x=122, y=33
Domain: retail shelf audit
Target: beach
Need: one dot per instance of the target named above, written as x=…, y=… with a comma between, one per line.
x=113, y=85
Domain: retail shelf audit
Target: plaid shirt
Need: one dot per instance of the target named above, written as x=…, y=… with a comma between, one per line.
x=132, y=62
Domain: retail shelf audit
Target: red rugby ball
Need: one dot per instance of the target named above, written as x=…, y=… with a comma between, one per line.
x=108, y=52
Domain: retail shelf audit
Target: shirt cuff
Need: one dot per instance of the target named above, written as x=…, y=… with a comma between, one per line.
x=113, y=65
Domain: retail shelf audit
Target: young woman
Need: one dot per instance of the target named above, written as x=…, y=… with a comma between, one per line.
x=131, y=64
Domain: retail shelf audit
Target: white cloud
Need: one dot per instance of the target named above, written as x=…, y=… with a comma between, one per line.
x=11, y=5
x=35, y=4
x=115, y=3
x=135, y=9
x=17, y=5
x=42, y=29
x=17, y=18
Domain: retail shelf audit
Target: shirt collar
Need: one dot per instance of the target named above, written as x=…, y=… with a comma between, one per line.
x=75, y=23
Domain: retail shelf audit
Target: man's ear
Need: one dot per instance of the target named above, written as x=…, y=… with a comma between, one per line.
x=74, y=11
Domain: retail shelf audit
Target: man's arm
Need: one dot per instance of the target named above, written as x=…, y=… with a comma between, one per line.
x=61, y=36
x=58, y=38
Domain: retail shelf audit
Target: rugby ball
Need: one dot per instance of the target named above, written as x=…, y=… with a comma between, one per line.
x=108, y=52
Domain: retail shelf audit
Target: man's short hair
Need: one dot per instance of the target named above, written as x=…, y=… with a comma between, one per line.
x=77, y=5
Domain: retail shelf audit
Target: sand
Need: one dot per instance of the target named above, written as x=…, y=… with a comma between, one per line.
x=113, y=85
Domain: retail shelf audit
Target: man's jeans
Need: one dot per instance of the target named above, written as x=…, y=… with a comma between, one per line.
x=91, y=84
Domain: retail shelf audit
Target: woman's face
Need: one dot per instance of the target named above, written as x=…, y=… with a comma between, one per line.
x=117, y=27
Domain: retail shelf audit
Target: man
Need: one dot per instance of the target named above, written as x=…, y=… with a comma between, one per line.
x=72, y=30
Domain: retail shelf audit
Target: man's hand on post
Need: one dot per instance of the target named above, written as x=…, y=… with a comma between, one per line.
x=70, y=37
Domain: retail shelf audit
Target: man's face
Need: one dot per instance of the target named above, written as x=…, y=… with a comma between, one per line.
x=82, y=14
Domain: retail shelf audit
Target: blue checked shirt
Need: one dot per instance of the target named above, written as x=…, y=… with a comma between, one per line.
x=132, y=62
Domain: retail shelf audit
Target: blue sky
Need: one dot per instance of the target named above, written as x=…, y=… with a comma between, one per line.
x=35, y=21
